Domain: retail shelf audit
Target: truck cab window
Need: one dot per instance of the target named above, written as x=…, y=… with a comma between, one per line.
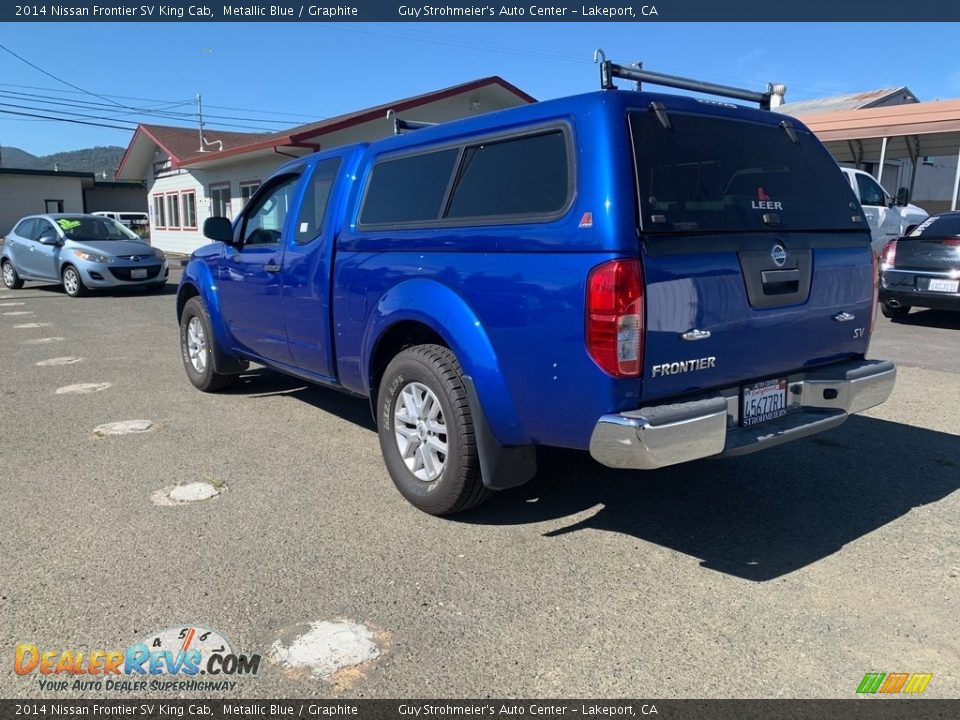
x=263, y=224
x=870, y=192
x=316, y=197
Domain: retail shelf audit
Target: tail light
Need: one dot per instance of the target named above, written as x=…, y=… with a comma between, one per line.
x=615, y=317
x=875, y=271
x=889, y=254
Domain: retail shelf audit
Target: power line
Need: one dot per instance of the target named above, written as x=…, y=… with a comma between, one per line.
x=51, y=75
x=66, y=120
x=178, y=102
x=31, y=97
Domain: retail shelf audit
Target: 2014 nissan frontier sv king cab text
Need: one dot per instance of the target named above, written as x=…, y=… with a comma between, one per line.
x=653, y=278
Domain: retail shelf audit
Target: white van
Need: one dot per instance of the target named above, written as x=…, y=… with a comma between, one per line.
x=887, y=217
x=132, y=220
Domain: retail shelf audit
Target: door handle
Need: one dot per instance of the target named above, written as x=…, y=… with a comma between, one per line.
x=271, y=268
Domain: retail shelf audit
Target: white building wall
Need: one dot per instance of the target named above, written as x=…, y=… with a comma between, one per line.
x=25, y=194
x=199, y=181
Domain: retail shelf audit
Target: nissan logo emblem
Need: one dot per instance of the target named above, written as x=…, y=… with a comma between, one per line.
x=779, y=255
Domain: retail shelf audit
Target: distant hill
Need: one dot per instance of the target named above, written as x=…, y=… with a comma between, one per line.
x=93, y=160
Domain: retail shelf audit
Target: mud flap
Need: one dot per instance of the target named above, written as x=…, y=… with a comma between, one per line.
x=501, y=467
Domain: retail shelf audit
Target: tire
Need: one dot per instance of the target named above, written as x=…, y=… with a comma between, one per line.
x=72, y=282
x=197, y=344
x=422, y=392
x=10, y=277
x=895, y=313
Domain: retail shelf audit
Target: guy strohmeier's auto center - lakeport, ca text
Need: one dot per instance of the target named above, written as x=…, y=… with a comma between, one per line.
x=146, y=12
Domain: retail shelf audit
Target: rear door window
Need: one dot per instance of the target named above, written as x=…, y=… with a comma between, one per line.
x=25, y=228
x=708, y=173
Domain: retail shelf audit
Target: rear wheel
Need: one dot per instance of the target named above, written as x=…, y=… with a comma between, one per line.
x=72, y=283
x=895, y=313
x=426, y=431
x=197, y=345
x=10, y=277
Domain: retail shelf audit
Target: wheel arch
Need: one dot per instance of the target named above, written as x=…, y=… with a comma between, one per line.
x=425, y=312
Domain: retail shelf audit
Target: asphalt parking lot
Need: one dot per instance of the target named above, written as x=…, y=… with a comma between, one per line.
x=790, y=573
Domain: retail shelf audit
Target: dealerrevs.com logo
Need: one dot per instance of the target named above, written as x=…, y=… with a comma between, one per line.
x=183, y=653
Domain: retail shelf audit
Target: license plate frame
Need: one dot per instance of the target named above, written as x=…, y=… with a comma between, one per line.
x=763, y=401
x=943, y=285
x=138, y=274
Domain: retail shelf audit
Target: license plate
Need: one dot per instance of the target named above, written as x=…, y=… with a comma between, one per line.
x=763, y=401
x=138, y=273
x=943, y=285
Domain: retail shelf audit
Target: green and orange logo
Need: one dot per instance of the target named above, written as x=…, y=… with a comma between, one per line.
x=894, y=683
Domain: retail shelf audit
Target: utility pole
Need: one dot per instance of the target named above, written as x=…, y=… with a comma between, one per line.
x=200, y=120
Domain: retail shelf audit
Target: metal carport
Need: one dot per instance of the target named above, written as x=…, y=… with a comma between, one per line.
x=909, y=131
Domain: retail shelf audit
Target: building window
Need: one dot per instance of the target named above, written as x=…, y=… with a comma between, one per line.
x=220, y=201
x=53, y=206
x=189, y=202
x=159, y=215
x=247, y=189
x=173, y=211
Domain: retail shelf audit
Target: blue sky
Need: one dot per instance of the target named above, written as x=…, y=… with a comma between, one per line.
x=310, y=71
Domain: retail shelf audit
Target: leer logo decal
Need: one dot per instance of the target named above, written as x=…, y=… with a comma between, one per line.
x=763, y=202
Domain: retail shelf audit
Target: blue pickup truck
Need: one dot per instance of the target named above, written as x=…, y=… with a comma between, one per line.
x=654, y=278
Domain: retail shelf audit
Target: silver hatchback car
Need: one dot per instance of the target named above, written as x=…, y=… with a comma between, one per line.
x=81, y=252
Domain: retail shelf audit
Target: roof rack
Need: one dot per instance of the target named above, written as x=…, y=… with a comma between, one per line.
x=400, y=125
x=771, y=98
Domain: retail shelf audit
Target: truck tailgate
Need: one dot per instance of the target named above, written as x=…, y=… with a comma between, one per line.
x=752, y=306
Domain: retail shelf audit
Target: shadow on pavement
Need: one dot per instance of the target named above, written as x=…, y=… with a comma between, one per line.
x=757, y=517
x=932, y=318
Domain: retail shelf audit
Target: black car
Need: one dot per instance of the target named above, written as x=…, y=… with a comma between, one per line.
x=923, y=268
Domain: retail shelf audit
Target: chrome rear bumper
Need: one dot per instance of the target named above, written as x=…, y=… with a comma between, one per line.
x=663, y=435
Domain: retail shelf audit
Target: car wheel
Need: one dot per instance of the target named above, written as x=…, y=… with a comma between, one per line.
x=895, y=313
x=426, y=431
x=72, y=283
x=197, y=344
x=10, y=277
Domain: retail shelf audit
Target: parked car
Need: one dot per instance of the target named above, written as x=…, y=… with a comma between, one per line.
x=887, y=217
x=922, y=269
x=80, y=251
x=653, y=278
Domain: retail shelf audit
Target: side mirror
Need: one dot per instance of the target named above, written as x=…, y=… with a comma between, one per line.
x=218, y=229
x=903, y=197
x=49, y=238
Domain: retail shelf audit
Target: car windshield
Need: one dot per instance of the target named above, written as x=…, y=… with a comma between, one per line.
x=93, y=228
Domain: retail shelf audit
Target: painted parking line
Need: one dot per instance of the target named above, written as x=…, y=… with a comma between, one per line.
x=43, y=341
x=82, y=388
x=123, y=427
x=51, y=362
x=173, y=495
x=12, y=313
x=11, y=304
x=325, y=648
x=30, y=326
